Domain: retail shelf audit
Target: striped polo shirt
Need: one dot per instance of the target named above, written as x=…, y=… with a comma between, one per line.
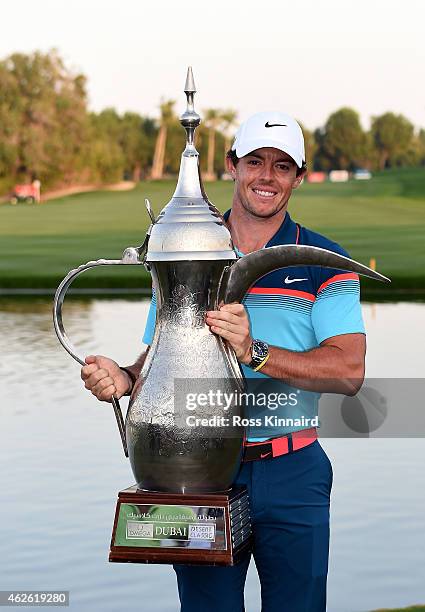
x=295, y=308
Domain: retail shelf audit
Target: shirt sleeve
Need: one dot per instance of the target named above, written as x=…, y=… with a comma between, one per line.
x=337, y=308
x=150, y=322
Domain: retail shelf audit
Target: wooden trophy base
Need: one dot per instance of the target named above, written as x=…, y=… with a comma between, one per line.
x=204, y=529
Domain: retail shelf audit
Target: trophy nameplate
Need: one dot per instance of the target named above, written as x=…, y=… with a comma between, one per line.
x=207, y=529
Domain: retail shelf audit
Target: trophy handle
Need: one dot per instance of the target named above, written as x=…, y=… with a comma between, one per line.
x=130, y=257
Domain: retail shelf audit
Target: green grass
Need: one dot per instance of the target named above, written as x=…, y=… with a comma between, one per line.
x=409, y=609
x=382, y=218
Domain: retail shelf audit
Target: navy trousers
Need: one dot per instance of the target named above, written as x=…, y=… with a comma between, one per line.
x=289, y=498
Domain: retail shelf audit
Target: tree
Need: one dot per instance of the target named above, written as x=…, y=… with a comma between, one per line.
x=421, y=147
x=132, y=134
x=167, y=117
x=106, y=160
x=228, y=122
x=342, y=142
x=107, y=124
x=392, y=135
x=43, y=118
x=9, y=124
x=136, y=140
x=310, y=145
x=212, y=119
x=216, y=119
x=106, y=156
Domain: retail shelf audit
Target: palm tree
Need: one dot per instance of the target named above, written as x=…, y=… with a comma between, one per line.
x=228, y=118
x=167, y=116
x=212, y=118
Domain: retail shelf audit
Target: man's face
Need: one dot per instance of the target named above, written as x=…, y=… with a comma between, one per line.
x=264, y=180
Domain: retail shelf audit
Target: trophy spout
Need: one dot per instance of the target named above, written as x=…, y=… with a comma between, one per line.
x=239, y=277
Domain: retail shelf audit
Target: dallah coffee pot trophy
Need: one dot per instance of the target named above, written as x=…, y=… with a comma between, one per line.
x=184, y=507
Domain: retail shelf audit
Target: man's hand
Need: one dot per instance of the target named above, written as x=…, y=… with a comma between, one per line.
x=231, y=323
x=104, y=378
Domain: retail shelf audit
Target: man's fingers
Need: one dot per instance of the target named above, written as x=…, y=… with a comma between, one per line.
x=88, y=370
x=101, y=385
x=225, y=325
x=98, y=375
x=98, y=379
x=106, y=394
x=237, y=327
x=237, y=309
x=95, y=377
x=225, y=316
x=226, y=334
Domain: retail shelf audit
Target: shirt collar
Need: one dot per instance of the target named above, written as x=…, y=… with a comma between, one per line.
x=286, y=234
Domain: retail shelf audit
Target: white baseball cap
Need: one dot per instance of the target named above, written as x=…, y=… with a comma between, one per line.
x=270, y=129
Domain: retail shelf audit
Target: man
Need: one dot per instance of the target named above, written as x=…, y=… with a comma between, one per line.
x=301, y=326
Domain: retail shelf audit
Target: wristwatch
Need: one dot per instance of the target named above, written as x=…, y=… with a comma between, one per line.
x=259, y=354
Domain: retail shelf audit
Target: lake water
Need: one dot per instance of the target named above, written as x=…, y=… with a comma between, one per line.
x=62, y=466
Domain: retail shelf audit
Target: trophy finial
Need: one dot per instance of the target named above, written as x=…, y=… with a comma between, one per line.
x=190, y=83
x=190, y=118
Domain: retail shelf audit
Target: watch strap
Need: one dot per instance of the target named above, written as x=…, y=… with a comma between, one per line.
x=133, y=379
x=263, y=363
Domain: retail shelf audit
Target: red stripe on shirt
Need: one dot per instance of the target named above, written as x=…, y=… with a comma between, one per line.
x=338, y=277
x=279, y=291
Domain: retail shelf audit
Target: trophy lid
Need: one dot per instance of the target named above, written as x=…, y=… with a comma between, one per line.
x=189, y=227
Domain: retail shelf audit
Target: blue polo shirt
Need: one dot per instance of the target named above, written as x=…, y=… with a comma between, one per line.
x=295, y=308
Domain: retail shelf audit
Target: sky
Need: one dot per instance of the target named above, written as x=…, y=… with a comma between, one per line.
x=307, y=58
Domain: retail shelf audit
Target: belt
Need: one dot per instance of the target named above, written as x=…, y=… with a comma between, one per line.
x=279, y=446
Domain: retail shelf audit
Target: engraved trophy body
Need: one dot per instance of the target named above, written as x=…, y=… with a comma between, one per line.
x=183, y=507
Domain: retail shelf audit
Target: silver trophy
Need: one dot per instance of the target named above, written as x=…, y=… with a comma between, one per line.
x=189, y=252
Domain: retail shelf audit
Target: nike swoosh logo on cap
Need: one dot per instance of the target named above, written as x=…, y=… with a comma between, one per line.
x=288, y=280
x=264, y=455
x=275, y=125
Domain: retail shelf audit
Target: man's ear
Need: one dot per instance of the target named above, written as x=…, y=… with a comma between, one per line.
x=230, y=167
x=298, y=180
